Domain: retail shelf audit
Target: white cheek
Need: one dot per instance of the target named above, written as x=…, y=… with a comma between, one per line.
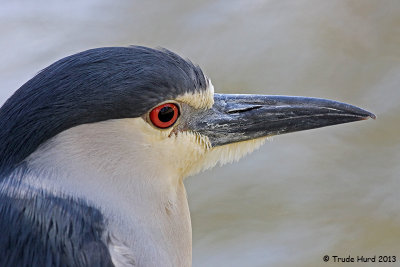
x=175, y=152
x=189, y=153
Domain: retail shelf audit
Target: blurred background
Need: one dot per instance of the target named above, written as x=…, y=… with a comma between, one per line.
x=330, y=191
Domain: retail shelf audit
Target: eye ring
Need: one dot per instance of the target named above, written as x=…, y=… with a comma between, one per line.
x=165, y=115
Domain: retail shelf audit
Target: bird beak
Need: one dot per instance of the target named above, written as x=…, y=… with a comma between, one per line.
x=235, y=118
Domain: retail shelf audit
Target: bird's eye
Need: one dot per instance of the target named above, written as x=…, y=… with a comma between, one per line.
x=164, y=115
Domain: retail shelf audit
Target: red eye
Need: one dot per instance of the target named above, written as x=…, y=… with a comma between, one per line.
x=164, y=115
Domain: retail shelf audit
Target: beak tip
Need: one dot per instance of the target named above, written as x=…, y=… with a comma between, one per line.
x=370, y=115
x=363, y=114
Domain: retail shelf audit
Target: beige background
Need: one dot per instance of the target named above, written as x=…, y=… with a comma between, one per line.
x=331, y=191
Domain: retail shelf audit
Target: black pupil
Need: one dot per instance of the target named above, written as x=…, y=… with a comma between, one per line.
x=166, y=114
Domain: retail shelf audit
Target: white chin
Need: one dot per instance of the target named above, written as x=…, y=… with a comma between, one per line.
x=226, y=154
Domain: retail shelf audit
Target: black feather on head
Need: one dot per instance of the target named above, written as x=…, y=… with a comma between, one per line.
x=95, y=85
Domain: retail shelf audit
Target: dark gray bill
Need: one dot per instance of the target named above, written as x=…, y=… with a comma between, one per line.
x=235, y=118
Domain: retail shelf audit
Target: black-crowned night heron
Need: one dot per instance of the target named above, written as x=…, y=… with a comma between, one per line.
x=94, y=150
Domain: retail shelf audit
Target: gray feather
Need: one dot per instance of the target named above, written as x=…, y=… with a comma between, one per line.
x=44, y=230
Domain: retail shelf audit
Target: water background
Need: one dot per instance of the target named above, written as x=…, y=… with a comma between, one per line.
x=330, y=191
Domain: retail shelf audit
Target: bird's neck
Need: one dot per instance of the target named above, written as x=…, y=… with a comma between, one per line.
x=144, y=202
